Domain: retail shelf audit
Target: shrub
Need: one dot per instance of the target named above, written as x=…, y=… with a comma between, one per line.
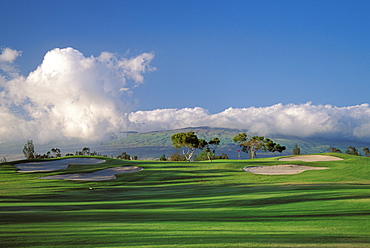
x=124, y=156
x=163, y=158
x=177, y=157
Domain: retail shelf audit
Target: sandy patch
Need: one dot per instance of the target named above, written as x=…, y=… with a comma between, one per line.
x=281, y=169
x=311, y=158
x=101, y=175
x=54, y=165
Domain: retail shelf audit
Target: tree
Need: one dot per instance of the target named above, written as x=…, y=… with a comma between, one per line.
x=256, y=143
x=189, y=142
x=163, y=158
x=57, y=152
x=273, y=147
x=280, y=148
x=253, y=145
x=352, y=151
x=124, y=156
x=335, y=150
x=86, y=151
x=296, y=150
x=29, y=150
x=366, y=151
x=240, y=138
x=223, y=156
x=210, y=151
x=211, y=148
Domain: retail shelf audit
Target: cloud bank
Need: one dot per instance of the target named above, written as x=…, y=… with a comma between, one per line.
x=68, y=95
x=303, y=120
x=73, y=96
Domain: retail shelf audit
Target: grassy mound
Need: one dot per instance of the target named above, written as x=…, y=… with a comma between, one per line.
x=197, y=204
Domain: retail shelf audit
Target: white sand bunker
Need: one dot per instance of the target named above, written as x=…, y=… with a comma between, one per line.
x=53, y=165
x=281, y=169
x=101, y=175
x=311, y=158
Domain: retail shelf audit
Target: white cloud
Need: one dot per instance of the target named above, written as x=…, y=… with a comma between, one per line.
x=7, y=58
x=303, y=120
x=70, y=95
x=73, y=96
x=9, y=55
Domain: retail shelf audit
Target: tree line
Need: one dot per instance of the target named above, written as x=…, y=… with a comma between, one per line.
x=352, y=151
x=189, y=143
x=29, y=153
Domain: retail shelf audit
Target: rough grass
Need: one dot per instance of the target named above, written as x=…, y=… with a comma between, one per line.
x=182, y=204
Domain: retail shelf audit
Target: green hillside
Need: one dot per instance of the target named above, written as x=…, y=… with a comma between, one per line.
x=152, y=145
x=182, y=204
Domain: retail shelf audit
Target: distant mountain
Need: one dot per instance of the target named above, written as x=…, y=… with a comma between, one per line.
x=152, y=145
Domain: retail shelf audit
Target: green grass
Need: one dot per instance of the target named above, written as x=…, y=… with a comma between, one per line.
x=197, y=204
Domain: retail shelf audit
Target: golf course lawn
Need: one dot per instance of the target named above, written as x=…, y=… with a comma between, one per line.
x=182, y=204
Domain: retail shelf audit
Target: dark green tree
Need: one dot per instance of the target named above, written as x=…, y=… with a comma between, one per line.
x=86, y=151
x=280, y=148
x=352, y=151
x=240, y=138
x=366, y=151
x=189, y=142
x=211, y=148
x=296, y=150
x=57, y=152
x=336, y=150
x=256, y=143
x=29, y=150
x=163, y=158
x=124, y=156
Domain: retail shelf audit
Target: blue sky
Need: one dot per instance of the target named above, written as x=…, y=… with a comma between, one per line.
x=212, y=54
x=209, y=54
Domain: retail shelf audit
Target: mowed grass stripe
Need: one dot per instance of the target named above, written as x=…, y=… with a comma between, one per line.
x=189, y=205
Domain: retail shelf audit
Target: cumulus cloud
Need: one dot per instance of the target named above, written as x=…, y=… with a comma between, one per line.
x=69, y=95
x=73, y=96
x=302, y=120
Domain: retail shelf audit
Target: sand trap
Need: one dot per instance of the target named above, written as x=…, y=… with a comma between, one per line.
x=311, y=158
x=281, y=169
x=289, y=169
x=101, y=175
x=53, y=165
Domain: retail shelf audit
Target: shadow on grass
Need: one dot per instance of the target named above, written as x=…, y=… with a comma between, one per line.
x=170, y=235
x=185, y=196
